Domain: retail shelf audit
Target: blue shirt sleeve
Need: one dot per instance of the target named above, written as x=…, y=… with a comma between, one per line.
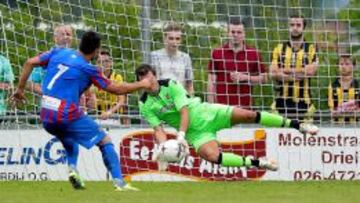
x=96, y=76
x=45, y=56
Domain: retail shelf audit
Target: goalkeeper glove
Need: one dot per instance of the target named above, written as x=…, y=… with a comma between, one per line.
x=182, y=141
x=162, y=164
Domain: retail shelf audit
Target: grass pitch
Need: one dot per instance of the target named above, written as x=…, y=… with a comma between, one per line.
x=185, y=192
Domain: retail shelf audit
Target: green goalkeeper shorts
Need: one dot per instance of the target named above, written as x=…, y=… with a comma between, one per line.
x=205, y=120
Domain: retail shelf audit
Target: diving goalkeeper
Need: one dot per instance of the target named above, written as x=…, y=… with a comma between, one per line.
x=197, y=122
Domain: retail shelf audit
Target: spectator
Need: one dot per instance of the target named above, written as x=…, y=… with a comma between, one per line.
x=63, y=36
x=344, y=89
x=170, y=62
x=233, y=68
x=108, y=104
x=6, y=83
x=293, y=64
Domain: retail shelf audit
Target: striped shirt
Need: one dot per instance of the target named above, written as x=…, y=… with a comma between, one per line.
x=285, y=57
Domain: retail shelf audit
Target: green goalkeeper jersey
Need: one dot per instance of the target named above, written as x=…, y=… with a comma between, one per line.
x=166, y=104
x=204, y=119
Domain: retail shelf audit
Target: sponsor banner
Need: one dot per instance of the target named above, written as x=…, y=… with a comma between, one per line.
x=333, y=154
x=36, y=155
x=29, y=155
x=137, y=149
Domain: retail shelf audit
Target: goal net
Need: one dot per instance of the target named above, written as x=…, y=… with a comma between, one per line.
x=130, y=30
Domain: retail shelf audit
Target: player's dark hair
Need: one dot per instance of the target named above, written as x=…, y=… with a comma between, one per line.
x=299, y=16
x=143, y=70
x=90, y=41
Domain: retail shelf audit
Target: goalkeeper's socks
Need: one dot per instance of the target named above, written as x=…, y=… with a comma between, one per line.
x=230, y=159
x=234, y=160
x=72, y=153
x=111, y=161
x=274, y=120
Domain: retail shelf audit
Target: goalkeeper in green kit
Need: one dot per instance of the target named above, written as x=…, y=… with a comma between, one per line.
x=197, y=122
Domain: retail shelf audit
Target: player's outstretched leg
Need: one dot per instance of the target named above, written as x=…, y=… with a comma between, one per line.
x=72, y=154
x=112, y=163
x=210, y=152
x=267, y=119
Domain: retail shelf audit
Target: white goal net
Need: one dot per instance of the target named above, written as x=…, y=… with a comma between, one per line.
x=131, y=29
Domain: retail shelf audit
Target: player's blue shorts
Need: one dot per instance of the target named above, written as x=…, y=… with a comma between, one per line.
x=84, y=131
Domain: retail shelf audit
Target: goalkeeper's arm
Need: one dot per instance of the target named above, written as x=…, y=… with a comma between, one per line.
x=160, y=137
x=184, y=124
x=184, y=119
x=160, y=134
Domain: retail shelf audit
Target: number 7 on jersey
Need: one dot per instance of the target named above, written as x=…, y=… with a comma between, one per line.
x=62, y=70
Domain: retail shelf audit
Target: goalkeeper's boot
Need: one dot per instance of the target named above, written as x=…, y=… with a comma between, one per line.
x=76, y=181
x=308, y=128
x=122, y=186
x=268, y=164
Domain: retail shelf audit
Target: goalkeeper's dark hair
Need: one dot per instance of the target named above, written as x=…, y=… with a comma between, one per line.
x=90, y=41
x=299, y=16
x=143, y=70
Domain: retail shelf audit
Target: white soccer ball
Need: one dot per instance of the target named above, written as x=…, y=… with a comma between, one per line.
x=172, y=151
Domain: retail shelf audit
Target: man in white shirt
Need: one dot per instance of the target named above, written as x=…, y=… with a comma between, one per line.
x=170, y=62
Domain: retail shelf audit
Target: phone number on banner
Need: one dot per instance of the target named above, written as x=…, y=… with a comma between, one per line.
x=333, y=175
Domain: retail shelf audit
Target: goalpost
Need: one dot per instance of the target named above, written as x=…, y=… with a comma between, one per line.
x=133, y=28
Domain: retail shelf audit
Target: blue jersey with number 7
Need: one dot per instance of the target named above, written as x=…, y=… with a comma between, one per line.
x=68, y=76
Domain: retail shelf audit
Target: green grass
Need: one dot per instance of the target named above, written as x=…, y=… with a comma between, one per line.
x=185, y=192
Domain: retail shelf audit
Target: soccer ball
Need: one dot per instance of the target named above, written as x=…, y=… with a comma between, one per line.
x=172, y=151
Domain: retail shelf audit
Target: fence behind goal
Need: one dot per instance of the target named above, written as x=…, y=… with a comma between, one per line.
x=131, y=29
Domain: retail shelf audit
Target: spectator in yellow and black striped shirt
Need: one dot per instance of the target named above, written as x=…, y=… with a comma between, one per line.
x=345, y=88
x=109, y=104
x=293, y=64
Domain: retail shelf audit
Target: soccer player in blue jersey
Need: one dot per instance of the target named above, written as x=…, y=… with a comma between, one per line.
x=68, y=75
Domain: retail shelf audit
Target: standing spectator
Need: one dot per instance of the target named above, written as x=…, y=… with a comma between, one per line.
x=233, y=68
x=170, y=62
x=344, y=89
x=293, y=64
x=6, y=83
x=108, y=104
x=63, y=36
